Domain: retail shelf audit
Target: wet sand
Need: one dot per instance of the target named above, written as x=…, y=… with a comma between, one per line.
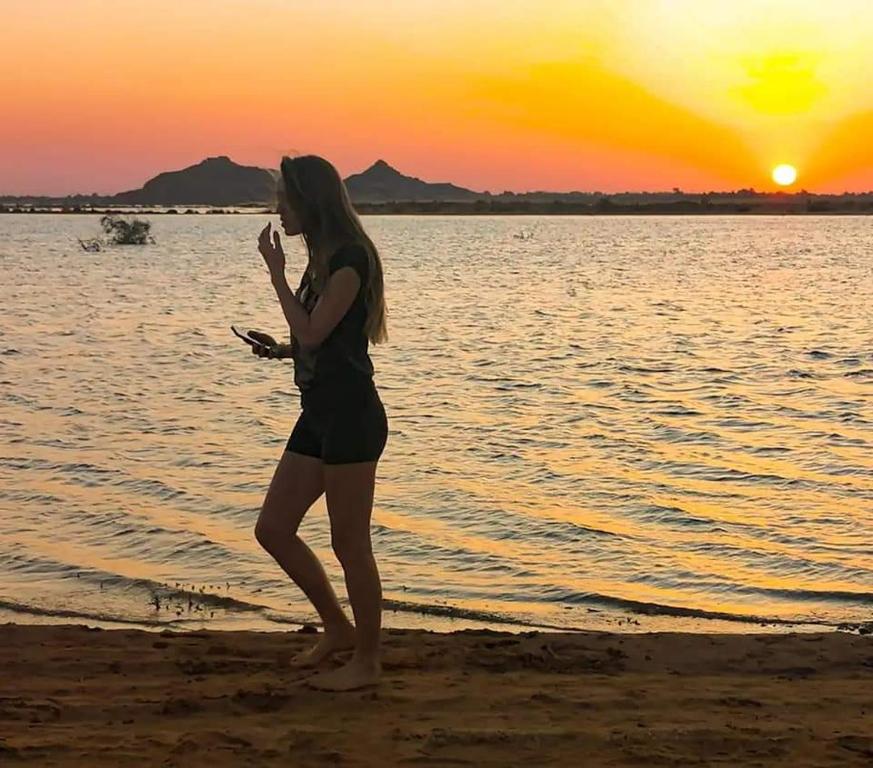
x=70, y=695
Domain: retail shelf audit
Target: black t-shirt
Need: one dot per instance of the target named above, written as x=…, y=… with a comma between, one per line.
x=342, y=360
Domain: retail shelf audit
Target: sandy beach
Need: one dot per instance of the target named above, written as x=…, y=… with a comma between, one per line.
x=71, y=695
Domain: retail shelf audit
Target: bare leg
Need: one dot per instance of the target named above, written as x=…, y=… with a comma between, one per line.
x=296, y=485
x=349, y=489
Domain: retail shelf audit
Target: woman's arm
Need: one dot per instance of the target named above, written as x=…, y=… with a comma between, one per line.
x=309, y=329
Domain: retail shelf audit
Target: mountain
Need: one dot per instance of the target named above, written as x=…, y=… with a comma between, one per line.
x=214, y=181
x=220, y=181
x=381, y=183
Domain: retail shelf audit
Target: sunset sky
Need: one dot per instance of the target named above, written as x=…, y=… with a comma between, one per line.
x=609, y=95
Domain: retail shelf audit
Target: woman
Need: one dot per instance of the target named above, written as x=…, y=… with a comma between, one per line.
x=337, y=310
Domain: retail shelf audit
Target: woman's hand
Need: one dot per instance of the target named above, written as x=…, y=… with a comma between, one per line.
x=269, y=348
x=273, y=254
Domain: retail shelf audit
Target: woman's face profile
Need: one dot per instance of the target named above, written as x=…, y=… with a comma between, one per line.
x=287, y=215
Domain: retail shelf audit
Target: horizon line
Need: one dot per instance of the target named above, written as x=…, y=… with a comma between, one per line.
x=673, y=191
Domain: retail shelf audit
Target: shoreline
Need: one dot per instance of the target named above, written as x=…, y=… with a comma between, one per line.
x=376, y=210
x=87, y=697
x=437, y=617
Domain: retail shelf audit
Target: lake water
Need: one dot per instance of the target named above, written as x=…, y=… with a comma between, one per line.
x=594, y=421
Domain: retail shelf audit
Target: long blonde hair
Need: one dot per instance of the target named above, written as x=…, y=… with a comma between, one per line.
x=316, y=192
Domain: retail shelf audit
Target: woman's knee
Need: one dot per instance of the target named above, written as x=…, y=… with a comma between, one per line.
x=296, y=484
x=264, y=533
x=269, y=531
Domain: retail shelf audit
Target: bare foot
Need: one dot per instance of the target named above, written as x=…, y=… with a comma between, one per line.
x=331, y=641
x=356, y=674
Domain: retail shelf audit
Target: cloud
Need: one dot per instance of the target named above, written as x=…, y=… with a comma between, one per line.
x=583, y=103
x=843, y=158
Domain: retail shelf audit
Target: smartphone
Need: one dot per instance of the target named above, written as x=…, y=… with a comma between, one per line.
x=244, y=335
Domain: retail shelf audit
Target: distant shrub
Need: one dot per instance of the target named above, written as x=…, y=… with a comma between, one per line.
x=123, y=232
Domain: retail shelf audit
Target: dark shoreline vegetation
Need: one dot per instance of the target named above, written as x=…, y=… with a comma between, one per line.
x=794, y=205
x=219, y=185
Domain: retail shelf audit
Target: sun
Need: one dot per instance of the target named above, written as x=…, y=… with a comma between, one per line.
x=785, y=175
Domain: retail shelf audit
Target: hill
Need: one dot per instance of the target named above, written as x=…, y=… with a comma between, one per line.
x=214, y=181
x=381, y=183
x=220, y=181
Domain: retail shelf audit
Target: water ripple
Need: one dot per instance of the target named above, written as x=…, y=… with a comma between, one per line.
x=665, y=416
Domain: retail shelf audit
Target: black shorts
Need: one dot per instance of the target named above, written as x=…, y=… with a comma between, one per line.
x=341, y=428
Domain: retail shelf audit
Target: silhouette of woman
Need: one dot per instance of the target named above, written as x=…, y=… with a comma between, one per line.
x=338, y=308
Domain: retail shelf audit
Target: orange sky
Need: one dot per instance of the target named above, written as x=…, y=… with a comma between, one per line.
x=607, y=95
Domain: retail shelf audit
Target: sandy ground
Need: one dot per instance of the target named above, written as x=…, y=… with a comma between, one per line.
x=77, y=696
